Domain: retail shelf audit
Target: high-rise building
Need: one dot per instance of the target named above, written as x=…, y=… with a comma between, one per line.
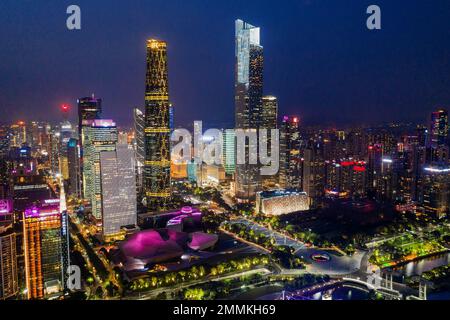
x=73, y=161
x=8, y=263
x=438, y=128
x=43, y=250
x=157, y=127
x=229, y=151
x=66, y=133
x=9, y=286
x=313, y=172
x=18, y=134
x=4, y=142
x=248, y=102
x=89, y=108
x=100, y=136
x=4, y=171
x=436, y=190
x=118, y=183
x=290, y=166
x=139, y=148
x=192, y=171
x=269, y=112
x=269, y=116
x=345, y=178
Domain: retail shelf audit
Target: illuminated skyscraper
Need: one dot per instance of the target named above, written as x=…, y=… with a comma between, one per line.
x=437, y=147
x=73, y=161
x=100, y=136
x=43, y=245
x=438, y=128
x=54, y=151
x=436, y=190
x=89, y=109
x=269, y=115
x=66, y=134
x=229, y=151
x=18, y=134
x=290, y=166
x=248, y=101
x=118, y=183
x=157, y=127
x=269, y=112
x=8, y=254
x=4, y=142
x=313, y=172
x=139, y=148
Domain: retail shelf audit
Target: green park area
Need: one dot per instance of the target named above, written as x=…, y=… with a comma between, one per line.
x=404, y=249
x=198, y=273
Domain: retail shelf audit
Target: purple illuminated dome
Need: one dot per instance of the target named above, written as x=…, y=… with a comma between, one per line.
x=187, y=215
x=155, y=246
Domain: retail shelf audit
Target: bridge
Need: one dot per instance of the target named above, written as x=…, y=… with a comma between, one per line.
x=383, y=283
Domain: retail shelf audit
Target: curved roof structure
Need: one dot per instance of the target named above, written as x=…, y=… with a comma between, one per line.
x=202, y=241
x=159, y=245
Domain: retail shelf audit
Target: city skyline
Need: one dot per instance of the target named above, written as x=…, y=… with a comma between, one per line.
x=245, y=199
x=315, y=61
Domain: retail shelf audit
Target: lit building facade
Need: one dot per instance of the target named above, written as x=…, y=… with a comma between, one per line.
x=157, y=127
x=346, y=178
x=8, y=255
x=436, y=191
x=4, y=142
x=279, y=202
x=290, y=159
x=438, y=128
x=89, y=109
x=313, y=173
x=43, y=245
x=66, y=134
x=100, y=136
x=73, y=163
x=249, y=55
x=118, y=184
x=229, y=151
x=18, y=134
x=269, y=116
x=139, y=147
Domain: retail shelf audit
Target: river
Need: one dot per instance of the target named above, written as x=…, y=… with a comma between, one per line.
x=416, y=268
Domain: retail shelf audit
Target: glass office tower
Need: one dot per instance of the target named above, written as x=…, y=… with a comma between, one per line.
x=248, y=101
x=118, y=190
x=100, y=136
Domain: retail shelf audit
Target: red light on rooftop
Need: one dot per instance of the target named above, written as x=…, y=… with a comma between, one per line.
x=359, y=169
x=295, y=120
x=65, y=107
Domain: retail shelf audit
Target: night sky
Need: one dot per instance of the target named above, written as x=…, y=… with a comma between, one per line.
x=320, y=59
